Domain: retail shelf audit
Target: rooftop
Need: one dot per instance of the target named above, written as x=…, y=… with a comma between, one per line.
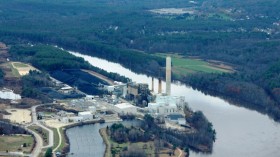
x=85, y=113
x=124, y=105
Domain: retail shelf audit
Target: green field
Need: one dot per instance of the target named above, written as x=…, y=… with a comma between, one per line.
x=14, y=71
x=184, y=66
x=13, y=143
x=56, y=139
x=20, y=65
x=148, y=147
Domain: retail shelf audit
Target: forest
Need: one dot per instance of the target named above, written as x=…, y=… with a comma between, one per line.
x=242, y=34
x=62, y=66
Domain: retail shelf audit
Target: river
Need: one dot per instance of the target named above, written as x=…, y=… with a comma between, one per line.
x=240, y=132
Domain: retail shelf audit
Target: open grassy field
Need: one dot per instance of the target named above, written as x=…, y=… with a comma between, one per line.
x=22, y=68
x=14, y=71
x=148, y=147
x=14, y=143
x=20, y=65
x=183, y=66
x=42, y=132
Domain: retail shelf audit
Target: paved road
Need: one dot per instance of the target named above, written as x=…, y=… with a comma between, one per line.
x=102, y=77
x=39, y=142
x=181, y=153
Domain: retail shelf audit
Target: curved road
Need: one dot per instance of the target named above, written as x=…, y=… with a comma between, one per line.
x=39, y=142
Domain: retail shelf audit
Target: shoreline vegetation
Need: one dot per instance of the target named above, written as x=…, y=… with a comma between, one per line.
x=122, y=141
x=104, y=136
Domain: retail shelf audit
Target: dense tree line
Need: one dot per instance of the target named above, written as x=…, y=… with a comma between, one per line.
x=205, y=134
x=49, y=58
x=8, y=129
x=122, y=134
x=32, y=83
x=1, y=77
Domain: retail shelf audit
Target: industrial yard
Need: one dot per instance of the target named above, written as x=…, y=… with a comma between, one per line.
x=72, y=107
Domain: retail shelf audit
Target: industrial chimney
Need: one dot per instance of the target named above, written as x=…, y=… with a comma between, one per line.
x=159, y=85
x=168, y=75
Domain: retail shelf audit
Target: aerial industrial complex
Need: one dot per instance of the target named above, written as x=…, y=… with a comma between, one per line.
x=122, y=99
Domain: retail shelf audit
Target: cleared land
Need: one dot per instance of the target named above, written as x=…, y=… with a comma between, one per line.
x=22, y=68
x=19, y=116
x=15, y=143
x=13, y=72
x=182, y=66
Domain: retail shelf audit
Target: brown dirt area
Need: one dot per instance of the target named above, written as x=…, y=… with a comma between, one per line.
x=24, y=69
x=19, y=116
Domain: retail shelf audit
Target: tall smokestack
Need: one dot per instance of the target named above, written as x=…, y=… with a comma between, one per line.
x=168, y=75
x=152, y=84
x=159, y=85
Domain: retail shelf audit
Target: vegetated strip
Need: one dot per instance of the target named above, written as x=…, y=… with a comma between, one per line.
x=105, y=138
x=42, y=132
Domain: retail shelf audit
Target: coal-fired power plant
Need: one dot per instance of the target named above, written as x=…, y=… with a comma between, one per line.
x=168, y=75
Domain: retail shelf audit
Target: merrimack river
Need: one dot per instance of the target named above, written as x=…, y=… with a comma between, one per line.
x=240, y=132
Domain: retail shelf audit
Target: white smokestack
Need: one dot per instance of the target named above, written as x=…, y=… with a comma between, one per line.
x=168, y=75
x=159, y=86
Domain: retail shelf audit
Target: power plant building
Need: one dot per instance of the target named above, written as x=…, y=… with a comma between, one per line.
x=125, y=108
x=86, y=115
x=165, y=105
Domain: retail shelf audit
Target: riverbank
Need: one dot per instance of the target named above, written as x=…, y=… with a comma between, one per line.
x=106, y=141
x=66, y=148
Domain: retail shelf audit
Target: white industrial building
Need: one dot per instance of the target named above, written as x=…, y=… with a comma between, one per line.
x=86, y=115
x=71, y=119
x=125, y=108
x=92, y=109
x=165, y=105
x=109, y=88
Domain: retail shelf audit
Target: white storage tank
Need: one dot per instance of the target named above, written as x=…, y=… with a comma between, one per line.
x=86, y=115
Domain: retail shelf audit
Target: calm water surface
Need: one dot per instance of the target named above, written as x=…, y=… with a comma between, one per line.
x=240, y=132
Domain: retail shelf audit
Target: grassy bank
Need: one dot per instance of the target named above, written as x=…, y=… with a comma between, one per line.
x=182, y=66
x=15, y=143
x=42, y=132
x=106, y=141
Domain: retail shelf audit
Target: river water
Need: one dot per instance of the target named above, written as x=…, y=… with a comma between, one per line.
x=240, y=132
x=85, y=141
